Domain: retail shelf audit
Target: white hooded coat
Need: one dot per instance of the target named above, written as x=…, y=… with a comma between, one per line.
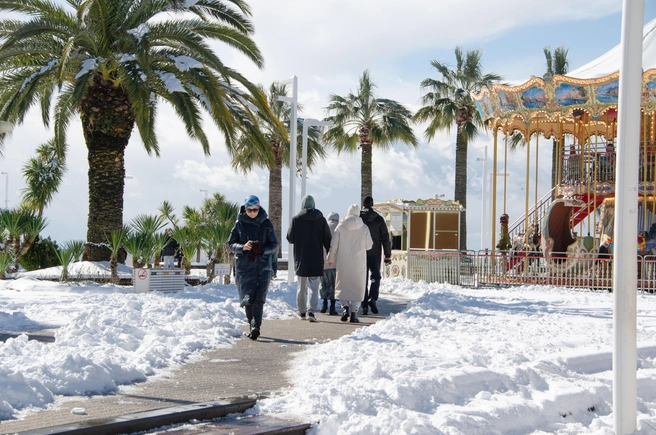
x=348, y=251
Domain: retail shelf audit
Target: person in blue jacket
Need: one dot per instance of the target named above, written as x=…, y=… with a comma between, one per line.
x=254, y=241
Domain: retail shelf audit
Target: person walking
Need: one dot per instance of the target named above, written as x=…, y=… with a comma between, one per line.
x=381, y=245
x=170, y=250
x=310, y=235
x=253, y=241
x=348, y=252
x=327, y=290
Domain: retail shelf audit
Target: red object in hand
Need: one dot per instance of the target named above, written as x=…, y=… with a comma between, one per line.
x=255, y=251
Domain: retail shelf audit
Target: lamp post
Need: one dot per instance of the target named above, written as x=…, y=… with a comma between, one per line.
x=307, y=123
x=6, y=174
x=484, y=160
x=292, y=163
x=204, y=190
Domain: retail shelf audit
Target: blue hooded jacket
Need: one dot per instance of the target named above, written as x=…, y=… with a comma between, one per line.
x=253, y=268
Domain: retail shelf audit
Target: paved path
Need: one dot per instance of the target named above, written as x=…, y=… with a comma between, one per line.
x=249, y=368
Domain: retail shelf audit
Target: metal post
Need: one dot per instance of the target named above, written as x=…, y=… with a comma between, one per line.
x=292, y=166
x=307, y=123
x=483, y=188
x=625, y=390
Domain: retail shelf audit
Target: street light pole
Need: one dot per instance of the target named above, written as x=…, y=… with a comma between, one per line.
x=292, y=164
x=307, y=123
x=204, y=190
x=6, y=174
x=484, y=160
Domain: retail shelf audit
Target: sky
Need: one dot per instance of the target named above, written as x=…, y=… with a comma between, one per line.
x=328, y=45
x=457, y=361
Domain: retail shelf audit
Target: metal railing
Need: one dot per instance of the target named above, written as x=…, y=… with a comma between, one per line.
x=506, y=268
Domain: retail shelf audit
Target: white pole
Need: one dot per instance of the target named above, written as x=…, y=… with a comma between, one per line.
x=306, y=125
x=292, y=175
x=483, y=188
x=626, y=232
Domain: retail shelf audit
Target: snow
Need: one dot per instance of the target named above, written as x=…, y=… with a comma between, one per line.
x=523, y=360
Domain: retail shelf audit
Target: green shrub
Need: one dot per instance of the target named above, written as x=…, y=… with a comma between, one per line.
x=42, y=254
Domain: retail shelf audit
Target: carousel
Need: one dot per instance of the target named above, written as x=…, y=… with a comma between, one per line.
x=576, y=115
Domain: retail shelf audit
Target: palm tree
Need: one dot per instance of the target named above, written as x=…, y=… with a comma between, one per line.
x=43, y=175
x=447, y=102
x=557, y=63
x=363, y=121
x=110, y=61
x=246, y=156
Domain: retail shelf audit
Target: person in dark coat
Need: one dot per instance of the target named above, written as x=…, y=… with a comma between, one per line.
x=310, y=235
x=170, y=250
x=382, y=245
x=254, y=241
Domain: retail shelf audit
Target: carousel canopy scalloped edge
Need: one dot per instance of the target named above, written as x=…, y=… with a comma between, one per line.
x=562, y=100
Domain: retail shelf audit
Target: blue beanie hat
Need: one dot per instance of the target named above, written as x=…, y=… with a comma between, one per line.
x=251, y=201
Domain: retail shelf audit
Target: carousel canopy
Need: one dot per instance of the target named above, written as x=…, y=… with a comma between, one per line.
x=581, y=103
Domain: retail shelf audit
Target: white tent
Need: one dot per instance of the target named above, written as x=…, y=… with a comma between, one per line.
x=609, y=62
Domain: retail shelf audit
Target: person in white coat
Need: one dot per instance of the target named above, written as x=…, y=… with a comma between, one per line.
x=348, y=251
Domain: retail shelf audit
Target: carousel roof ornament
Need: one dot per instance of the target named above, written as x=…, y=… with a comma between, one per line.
x=582, y=103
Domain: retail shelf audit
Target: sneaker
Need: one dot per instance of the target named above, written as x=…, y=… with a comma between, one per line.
x=302, y=316
x=354, y=318
x=345, y=315
x=255, y=332
x=311, y=317
x=324, y=306
x=374, y=308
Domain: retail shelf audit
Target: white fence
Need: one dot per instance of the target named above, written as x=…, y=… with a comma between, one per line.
x=475, y=269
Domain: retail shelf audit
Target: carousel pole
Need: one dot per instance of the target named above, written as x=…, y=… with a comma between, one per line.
x=653, y=175
x=505, y=173
x=494, y=191
x=625, y=264
x=537, y=153
x=643, y=173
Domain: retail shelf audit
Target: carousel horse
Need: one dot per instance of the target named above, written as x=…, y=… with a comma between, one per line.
x=564, y=251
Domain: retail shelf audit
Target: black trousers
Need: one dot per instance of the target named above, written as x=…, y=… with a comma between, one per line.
x=255, y=312
x=373, y=278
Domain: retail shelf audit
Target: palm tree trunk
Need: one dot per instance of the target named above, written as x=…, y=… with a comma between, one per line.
x=107, y=120
x=113, y=268
x=275, y=194
x=366, y=145
x=460, y=193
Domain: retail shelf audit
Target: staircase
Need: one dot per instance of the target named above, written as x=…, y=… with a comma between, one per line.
x=535, y=214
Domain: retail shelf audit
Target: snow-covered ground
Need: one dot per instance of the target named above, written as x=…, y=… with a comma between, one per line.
x=525, y=360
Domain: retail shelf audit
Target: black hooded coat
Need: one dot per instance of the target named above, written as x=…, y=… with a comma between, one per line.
x=253, y=268
x=379, y=232
x=310, y=234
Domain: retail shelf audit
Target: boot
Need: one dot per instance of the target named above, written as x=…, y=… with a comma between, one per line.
x=345, y=314
x=324, y=307
x=373, y=306
x=333, y=311
x=365, y=308
x=354, y=318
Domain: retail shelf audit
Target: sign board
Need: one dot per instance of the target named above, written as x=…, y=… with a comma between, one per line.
x=222, y=269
